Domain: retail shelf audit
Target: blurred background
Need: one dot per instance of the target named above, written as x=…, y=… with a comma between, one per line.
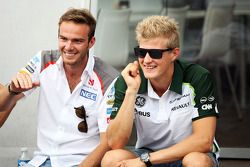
x=214, y=33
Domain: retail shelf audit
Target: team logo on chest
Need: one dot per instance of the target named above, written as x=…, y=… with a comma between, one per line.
x=140, y=101
x=91, y=82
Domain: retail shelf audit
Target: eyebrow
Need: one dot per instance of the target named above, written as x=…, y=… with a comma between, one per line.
x=74, y=39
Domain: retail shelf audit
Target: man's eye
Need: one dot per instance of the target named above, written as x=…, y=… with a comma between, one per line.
x=62, y=39
x=78, y=41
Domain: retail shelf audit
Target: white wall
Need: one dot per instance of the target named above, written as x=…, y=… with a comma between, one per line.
x=27, y=26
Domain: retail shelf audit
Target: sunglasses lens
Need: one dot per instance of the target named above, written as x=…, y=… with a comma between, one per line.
x=83, y=127
x=155, y=54
x=140, y=52
x=81, y=113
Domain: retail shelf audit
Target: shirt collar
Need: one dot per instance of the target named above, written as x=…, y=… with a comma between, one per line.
x=59, y=63
x=88, y=69
x=176, y=84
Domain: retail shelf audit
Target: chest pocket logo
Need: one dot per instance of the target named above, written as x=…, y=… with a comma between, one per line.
x=140, y=101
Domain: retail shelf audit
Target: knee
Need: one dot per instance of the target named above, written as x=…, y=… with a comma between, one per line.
x=112, y=157
x=109, y=159
x=197, y=159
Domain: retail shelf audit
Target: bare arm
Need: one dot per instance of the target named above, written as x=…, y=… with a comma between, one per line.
x=120, y=128
x=20, y=83
x=95, y=157
x=201, y=140
x=4, y=115
x=5, y=111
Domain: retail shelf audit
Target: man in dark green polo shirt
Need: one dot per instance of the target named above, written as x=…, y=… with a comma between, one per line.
x=171, y=102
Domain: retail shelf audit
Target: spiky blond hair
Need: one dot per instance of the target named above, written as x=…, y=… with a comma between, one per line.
x=158, y=26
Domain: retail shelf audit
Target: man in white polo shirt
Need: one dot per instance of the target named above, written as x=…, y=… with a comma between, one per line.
x=171, y=102
x=73, y=84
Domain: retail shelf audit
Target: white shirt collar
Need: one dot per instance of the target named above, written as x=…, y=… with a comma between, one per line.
x=88, y=69
x=152, y=93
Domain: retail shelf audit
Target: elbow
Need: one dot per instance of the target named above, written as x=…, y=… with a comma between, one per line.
x=206, y=144
x=118, y=143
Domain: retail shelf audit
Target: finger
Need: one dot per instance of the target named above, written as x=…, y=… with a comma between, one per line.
x=134, y=69
x=27, y=81
x=35, y=84
x=21, y=80
x=14, y=84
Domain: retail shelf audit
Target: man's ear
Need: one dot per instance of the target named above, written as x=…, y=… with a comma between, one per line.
x=91, y=42
x=176, y=53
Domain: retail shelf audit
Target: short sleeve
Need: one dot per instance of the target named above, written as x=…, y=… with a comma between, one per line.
x=106, y=107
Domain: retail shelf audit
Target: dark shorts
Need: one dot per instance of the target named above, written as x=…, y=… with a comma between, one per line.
x=178, y=163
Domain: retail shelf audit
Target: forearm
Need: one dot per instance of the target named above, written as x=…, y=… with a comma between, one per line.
x=4, y=115
x=201, y=140
x=193, y=143
x=120, y=128
x=7, y=101
x=95, y=157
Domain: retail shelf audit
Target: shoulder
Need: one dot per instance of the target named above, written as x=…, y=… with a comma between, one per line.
x=50, y=55
x=106, y=73
x=194, y=73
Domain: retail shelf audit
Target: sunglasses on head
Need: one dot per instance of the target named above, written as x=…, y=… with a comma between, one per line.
x=81, y=113
x=153, y=53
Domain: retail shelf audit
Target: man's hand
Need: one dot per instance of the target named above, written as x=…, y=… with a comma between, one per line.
x=132, y=77
x=22, y=82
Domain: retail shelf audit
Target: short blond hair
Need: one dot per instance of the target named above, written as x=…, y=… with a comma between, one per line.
x=158, y=26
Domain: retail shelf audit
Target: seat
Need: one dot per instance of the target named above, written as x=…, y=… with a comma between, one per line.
x=112, y=37
x=179, y=14
x=215, y=44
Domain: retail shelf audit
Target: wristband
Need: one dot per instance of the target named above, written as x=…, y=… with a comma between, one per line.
x=12, y=92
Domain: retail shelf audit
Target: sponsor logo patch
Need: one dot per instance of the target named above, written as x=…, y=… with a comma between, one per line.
x=91, y=82
x=35, y=60
x=211, y=98
x=88, y=95
x=110, y=102
x=142, y=113
x=203, y=99
x=30, y=69
x=140, y=101
x=109, y=111
x=23, y=71
x=108, y=120
x=179, y=98
x=206, y=106
x=180, y=106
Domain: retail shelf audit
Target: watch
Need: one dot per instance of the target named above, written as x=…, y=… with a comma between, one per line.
x=145, y=158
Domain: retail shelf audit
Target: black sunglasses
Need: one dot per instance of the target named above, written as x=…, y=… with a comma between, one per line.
x=81, y=113
x=153, y=53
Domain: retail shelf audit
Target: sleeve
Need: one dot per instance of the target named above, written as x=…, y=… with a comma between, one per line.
x=32, y=68
x=205, y=96
x=106, y=107
x=120, y=89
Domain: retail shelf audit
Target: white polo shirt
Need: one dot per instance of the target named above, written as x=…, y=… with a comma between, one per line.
x=58, y=137
x=164, y=121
